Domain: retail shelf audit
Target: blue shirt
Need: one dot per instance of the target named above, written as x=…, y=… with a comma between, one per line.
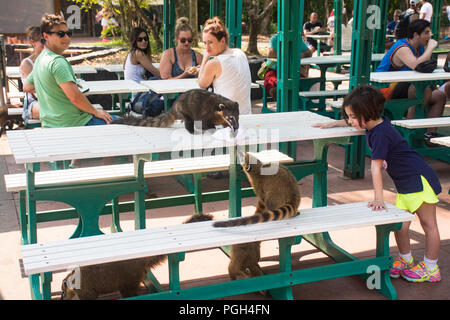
x=404, y=165
x=386, y=62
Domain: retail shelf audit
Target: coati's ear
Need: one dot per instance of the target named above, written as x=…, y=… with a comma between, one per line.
x=220, y=107
x=246, y=164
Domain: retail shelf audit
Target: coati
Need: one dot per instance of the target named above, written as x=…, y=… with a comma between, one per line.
x=278, y=198
x=123, y=276
x=278, y=194
x=193, y=106
x=244, y=260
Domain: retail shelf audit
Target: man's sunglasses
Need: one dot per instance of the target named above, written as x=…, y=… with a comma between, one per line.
x=61, y=34
x=141, y=39
x=183, y=40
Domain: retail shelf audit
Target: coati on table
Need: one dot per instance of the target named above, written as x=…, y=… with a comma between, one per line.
x=195, y=105
x=123, y=276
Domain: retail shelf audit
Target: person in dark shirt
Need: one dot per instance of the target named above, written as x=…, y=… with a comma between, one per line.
x=313, y=26
x=416, y=182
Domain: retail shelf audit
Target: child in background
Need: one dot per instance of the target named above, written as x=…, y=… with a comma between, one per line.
x=416, y=182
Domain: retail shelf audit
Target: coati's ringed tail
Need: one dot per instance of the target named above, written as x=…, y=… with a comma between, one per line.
x=287, y=211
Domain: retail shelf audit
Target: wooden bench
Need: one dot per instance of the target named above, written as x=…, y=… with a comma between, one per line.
x=175, y=240
x=33, y=123
x=71, y=178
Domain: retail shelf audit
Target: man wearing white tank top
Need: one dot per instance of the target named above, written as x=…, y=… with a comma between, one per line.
x=225, y=68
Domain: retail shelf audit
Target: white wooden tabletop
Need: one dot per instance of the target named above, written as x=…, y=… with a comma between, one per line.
x=335, y=59
x=445, y=141
x=83, y=68
x=39, y=145
x=176, y=85
x=114, y=86
x=407, y=76
x=171, y=85
x=318, y=36
x=118, y=68
x=14, y=72
x=423, y=123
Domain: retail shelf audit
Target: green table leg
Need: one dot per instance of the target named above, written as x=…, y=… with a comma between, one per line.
x=285, y=246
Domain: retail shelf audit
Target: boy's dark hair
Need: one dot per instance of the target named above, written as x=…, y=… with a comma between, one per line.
x=48, y=21
x=417, y=26
x=366, y=103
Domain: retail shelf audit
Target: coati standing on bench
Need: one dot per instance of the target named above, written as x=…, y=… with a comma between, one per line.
x=278, y=194
x=192, y=106
x=278, y=198
x=123, y=276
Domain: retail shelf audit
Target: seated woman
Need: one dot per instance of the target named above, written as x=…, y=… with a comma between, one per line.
x=138, y=67
x=30, y=104
x=178, y=62
x=225, y=68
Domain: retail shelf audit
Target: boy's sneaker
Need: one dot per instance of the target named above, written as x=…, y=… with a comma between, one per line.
x=421, y=273
x=399, y=265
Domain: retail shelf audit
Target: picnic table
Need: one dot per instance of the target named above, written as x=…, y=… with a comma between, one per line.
x=171, y=88
x=122, y=88
x=14, y=72
x=30, y=147
x=396, y=108
x=118, y=69
x=325, y=62
x=70, y=52
x=319, y=37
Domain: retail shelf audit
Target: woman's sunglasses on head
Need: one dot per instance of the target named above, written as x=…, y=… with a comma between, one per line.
x=183, y=40
x=142, y=39
x=61, y=34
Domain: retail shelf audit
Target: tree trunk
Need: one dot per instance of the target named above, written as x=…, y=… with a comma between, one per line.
x=255, y=17
x=149, y=23
x=193, y=21
x=265, y=22
x=182, y=8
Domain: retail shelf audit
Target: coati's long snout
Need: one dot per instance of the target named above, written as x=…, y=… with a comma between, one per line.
x=225, y=118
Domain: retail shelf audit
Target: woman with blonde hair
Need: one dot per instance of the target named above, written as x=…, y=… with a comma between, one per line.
x=226, y=69
x=181, y=61
x=31, y=105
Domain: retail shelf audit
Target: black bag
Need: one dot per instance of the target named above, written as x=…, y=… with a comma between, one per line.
x=149, y=104
x=427, y=66
x=447, y=64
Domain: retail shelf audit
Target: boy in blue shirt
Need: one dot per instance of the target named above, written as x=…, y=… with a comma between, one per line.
x=416, y=182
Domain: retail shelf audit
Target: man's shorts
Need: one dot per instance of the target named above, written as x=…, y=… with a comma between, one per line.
x=97, y=121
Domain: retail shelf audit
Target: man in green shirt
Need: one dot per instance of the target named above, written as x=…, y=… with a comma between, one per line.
x=61, y=102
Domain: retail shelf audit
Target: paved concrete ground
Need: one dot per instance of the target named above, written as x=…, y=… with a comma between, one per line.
x=211, y=266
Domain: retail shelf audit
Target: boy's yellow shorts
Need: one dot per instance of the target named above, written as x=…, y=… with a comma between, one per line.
x=413, y=201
